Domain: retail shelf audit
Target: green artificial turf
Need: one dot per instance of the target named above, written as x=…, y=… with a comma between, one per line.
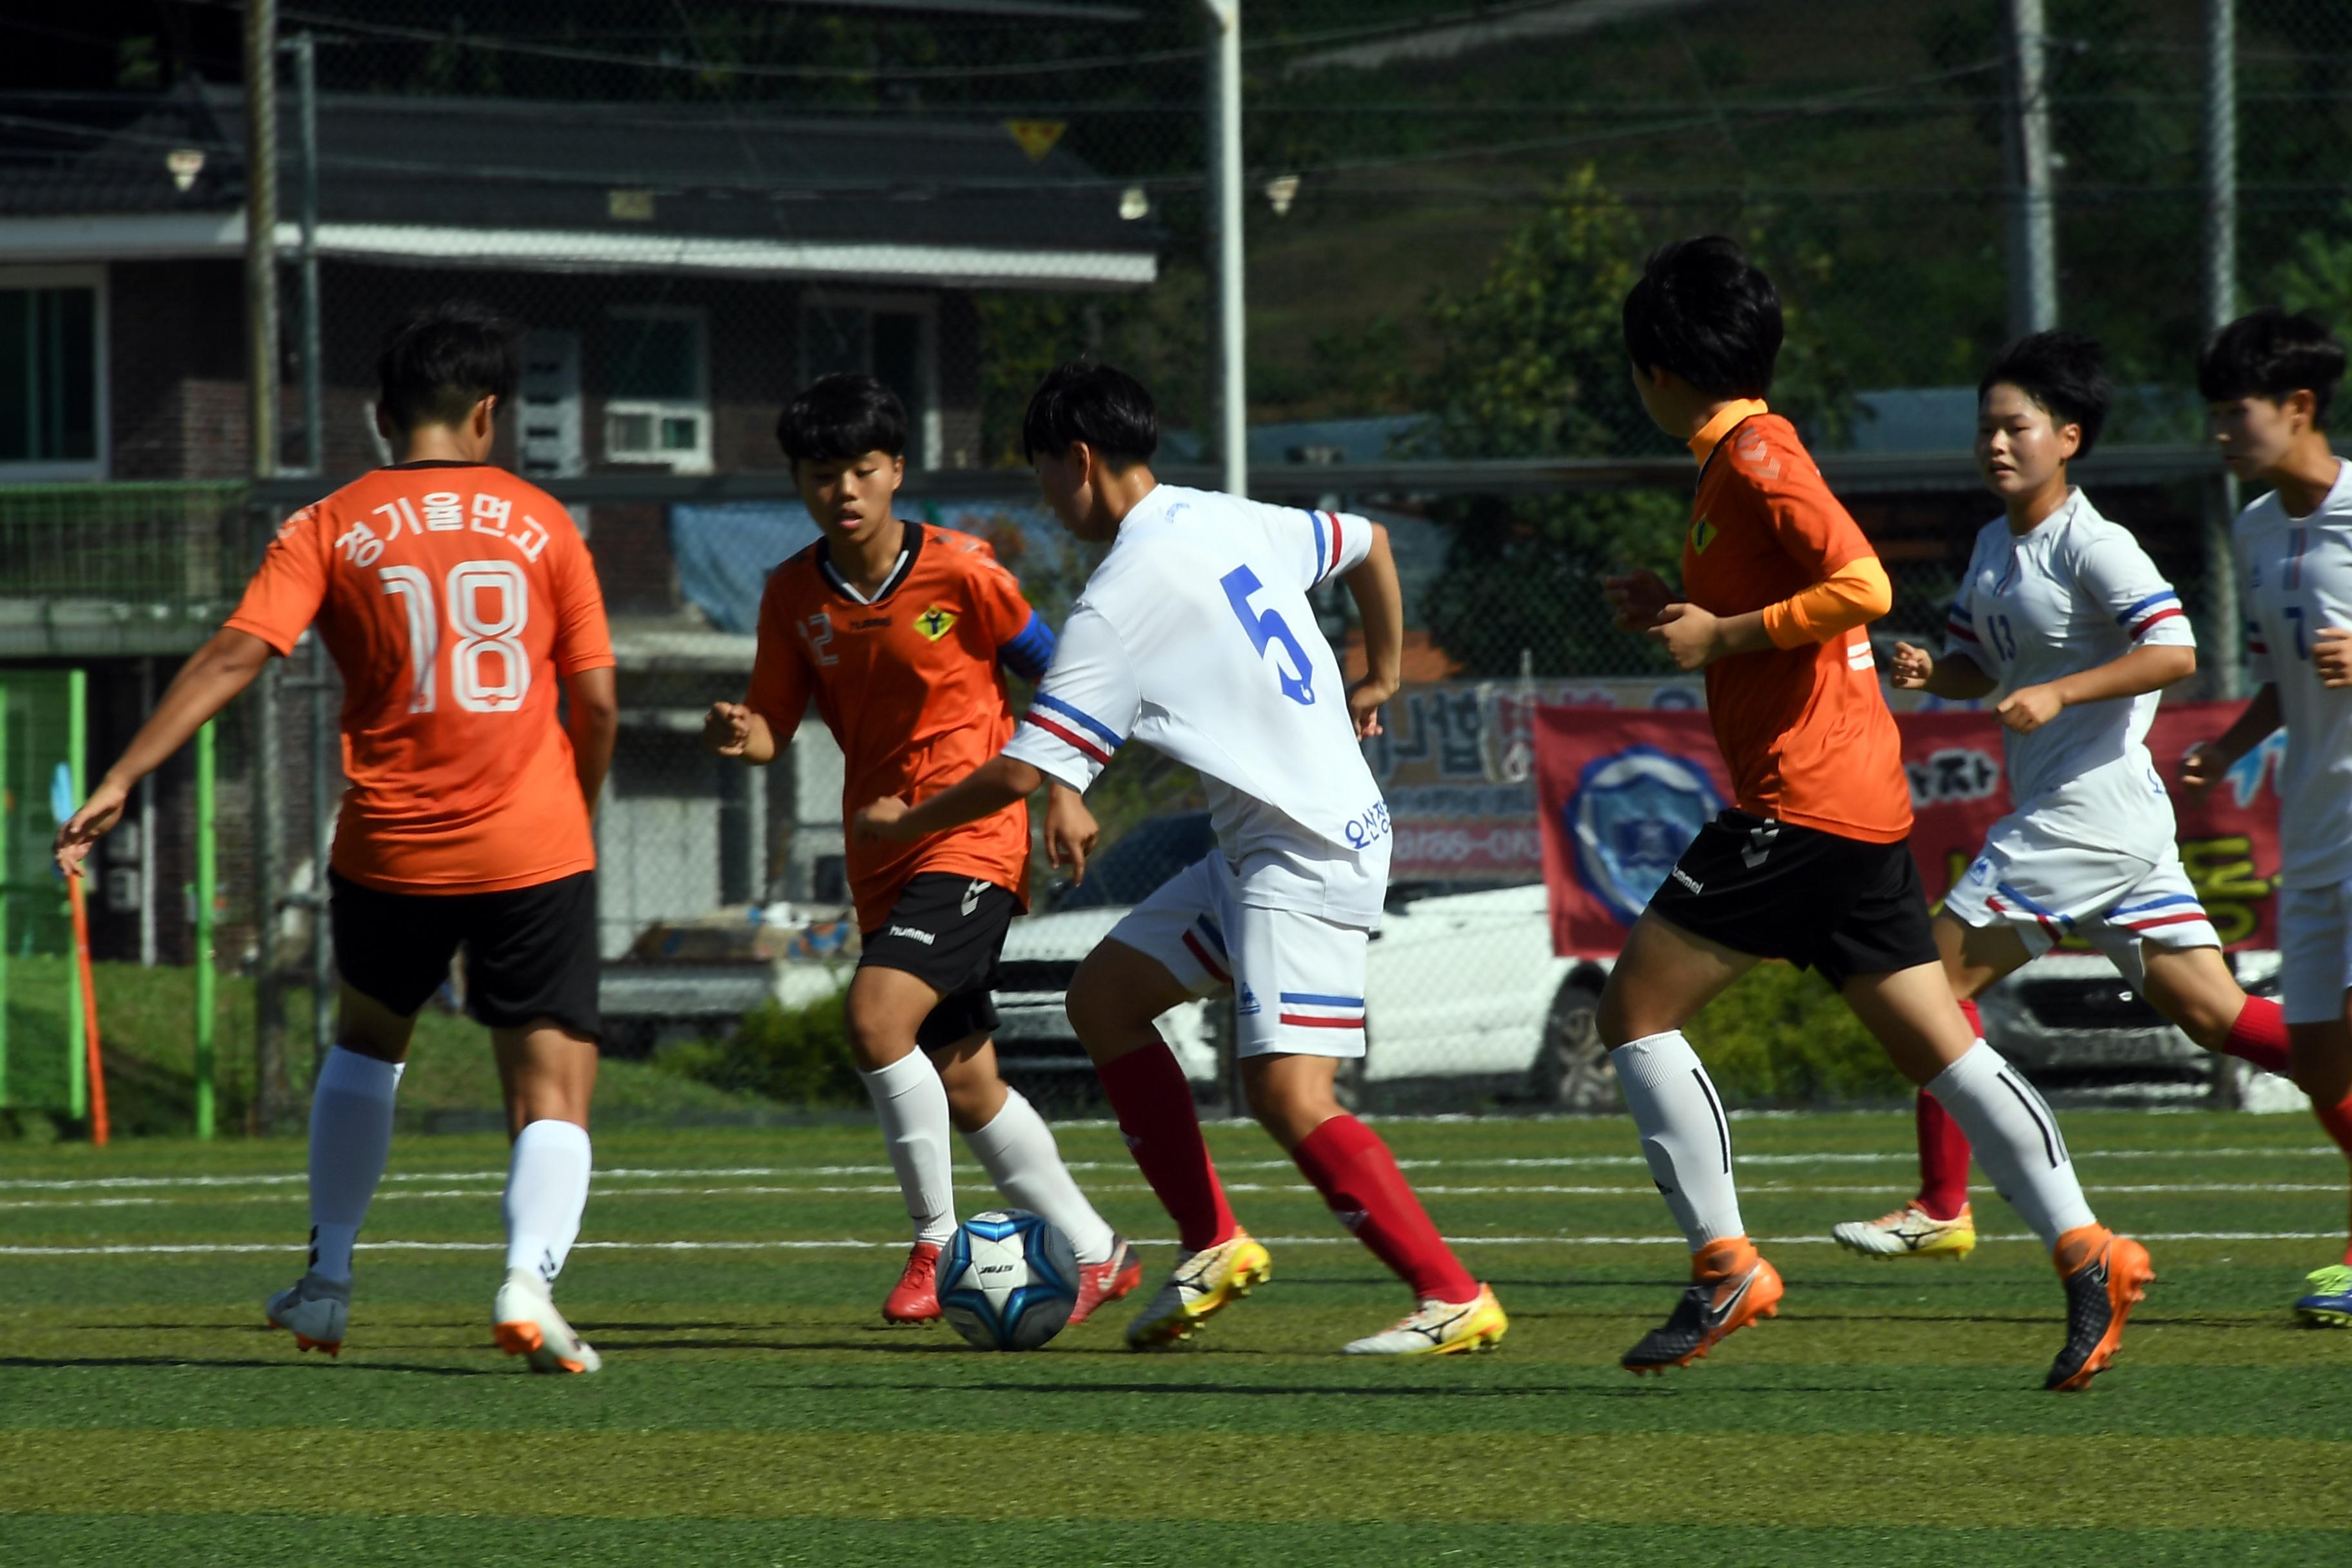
x=754, y=1407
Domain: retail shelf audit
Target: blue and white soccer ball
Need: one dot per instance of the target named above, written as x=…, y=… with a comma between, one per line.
x=1008, y=1280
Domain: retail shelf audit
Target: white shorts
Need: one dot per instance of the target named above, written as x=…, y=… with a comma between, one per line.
x=2314, y=938
x=1301, y=977
x=2045, y=892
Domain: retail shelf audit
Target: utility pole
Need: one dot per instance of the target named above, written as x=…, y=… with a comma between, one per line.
x=271, y=1098
x=2227, y=658
x=304, y=47
x=2033, y=244
x=1231, y=403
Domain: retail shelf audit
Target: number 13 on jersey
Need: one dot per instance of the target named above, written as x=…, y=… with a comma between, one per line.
x=489, y=604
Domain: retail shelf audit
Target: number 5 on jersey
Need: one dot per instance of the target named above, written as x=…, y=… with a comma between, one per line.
x=488, y=670
x=1267, y=627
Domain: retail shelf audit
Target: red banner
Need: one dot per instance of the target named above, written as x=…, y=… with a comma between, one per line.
x=1620, y=794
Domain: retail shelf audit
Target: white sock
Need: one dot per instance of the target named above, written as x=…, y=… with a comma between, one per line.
x=1684, y=1136
x=1017, y=1149
x=351, y=1139
x=547, y=1188
x=2016, y=1141
x=913, y=1105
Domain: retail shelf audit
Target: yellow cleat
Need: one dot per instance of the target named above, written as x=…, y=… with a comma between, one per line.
x=1442, y=1328
x=1202, y=1284
x=1910, y=1232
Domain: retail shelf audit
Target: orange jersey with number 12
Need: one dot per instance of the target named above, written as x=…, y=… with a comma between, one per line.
x=454, y=598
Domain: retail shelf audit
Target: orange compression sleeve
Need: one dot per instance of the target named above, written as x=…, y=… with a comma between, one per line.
x=1855, y=595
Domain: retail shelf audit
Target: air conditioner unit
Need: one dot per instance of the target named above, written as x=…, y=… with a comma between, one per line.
x=676, y=435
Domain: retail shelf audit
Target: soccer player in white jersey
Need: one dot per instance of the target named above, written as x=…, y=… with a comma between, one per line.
x=2267, y=380
x=2062, y=613
x=1195, y=637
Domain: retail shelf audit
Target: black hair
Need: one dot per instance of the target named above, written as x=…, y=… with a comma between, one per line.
x=442, y=359
x=840, y=417
x=1098, y=403
x=2065, y=375
x=2270, y=355
x=1703, y=311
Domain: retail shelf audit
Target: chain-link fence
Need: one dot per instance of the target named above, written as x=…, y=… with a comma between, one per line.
x=692, y=209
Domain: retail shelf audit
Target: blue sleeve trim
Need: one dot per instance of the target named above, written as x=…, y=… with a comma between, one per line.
x=1109, y=736
x=1031, y=653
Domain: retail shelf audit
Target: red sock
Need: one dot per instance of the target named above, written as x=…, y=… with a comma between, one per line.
x=2337, y=1120
x=1154, y=1102
x=1943, y=1147
x=1359, y=1178
x=2260, y=1037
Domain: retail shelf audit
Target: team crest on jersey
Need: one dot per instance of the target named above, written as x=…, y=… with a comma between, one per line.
x=1703, y=533
x=935, y=623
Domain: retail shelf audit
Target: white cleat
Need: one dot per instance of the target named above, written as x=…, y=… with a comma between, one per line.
x=527, y=1324
x=1440, y=1328
x=316, y=1310
x=1909, y=1232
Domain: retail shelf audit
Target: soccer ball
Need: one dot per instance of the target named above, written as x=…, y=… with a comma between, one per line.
x=1008, y=1280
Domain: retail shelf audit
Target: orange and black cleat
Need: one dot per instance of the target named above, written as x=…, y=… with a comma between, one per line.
x=1731, y=1286
x=2107, y=1276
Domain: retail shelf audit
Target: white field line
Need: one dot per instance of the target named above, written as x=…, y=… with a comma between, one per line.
x=207, y=1249
x=603, y=1192
x=706, y=1172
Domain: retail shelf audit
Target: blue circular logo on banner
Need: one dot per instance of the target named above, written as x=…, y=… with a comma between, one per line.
x=1631, y=815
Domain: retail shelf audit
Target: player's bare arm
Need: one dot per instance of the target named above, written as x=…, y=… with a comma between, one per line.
x=2137, y=673
x=2206, y=761
x=593, y=719
x=1954, y=676
x=213, y=676
x=1636, y=599
x=1380, y=605
x=1070, y=829
x=988, y=789
x=737, y=730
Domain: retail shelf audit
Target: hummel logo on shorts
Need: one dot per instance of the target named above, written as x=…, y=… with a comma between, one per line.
x=971, y=897
x=911, y=934
x=1687, y=881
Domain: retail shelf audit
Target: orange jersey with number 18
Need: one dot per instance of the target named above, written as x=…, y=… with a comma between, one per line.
x=455, y=599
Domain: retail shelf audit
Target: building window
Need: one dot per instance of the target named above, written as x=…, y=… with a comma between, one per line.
x=658, y=389
x=51, y=417
x=892, y=337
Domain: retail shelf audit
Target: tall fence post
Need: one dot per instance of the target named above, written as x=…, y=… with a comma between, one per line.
x=8, y=895
x=77, y=741
x=206, y=891
x=2227, y=640
x=1232, y=403
x=2033, y=244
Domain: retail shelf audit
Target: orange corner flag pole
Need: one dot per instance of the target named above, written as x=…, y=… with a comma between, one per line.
x=89, y=1012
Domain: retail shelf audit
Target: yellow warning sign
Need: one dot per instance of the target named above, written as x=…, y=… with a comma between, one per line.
x=1036, y=137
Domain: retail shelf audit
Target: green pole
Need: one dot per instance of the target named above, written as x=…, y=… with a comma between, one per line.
x=7, y=873
x=207, y=871
x=76, y=739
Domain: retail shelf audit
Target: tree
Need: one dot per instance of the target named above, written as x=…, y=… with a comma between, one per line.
x=1533, y=364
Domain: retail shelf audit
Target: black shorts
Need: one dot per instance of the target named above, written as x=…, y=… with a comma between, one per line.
x=1842, y=906
x=947, y=931
x=531, y=952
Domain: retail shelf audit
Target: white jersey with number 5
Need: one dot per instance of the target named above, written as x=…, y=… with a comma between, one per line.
x=2296, y=573
x=1195, y=637
x=2075, y=593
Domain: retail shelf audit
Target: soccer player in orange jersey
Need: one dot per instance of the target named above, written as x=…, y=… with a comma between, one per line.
x=902, y=634
x=458, y=601
x=1812, y=864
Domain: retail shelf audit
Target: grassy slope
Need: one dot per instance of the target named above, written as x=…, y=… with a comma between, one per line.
x=752, y=1406
x=146, y=1018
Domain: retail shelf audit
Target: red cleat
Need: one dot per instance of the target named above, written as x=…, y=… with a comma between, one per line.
x=1107, y=1281
x=916, y=1298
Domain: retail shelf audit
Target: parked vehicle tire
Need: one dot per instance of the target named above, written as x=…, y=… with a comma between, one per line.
x=1571, y=1070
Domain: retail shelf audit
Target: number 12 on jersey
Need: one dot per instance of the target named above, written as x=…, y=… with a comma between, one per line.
x=478, y=685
